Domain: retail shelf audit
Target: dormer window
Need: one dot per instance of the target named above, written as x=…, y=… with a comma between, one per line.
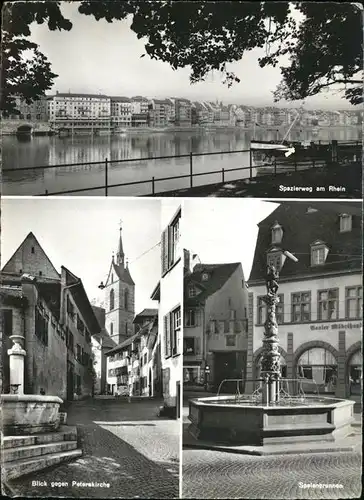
x=277, y=233
x=192, y=291
x=319, y=252
x=345, y=223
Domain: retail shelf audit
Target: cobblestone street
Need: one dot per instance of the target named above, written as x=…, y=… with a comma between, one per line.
x=211, y=474
x=124, y=444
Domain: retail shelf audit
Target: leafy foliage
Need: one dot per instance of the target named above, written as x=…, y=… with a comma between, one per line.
x=322, y=42
x=25, y=70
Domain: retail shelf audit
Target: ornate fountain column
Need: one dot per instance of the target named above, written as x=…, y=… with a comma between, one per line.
x=270, y=358
x=16, y=365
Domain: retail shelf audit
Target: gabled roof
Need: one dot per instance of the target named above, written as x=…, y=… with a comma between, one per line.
x=9, y=266
x=124, y=344
x=302, y=226
x=146, y=313
x=218, y=274
x=102, y=337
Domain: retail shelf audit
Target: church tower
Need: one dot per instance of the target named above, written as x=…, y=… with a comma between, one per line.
x=119, y=297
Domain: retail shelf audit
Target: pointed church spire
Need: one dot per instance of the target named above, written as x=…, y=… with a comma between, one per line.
x=120, y=253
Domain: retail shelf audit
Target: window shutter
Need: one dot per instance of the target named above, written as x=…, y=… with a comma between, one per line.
x=164, y=251
x=167, y=334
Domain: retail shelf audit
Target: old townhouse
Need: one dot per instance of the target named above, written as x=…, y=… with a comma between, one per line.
x=53, y=314
x=320, y=310
x=168, y=293
x=215, y=324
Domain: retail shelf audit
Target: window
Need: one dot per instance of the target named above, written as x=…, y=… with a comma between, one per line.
x=319, y=366
x=345, y=223
x=262, y=310
x=172, y=328
x=353, y=302
x=213, y=327
x=205, y=277
x=78, y=353
x=191, y=317
x=192, y=292
x=80, y=325
x=7, y=322
x=328, y=304
x=176, y=323
x=112, y=277
x=41, y=326
x=170, y=243
x=111, y=329
x=230, y=340
x=70, y=307
x=69, y=339
x=145, y=358
x=232, y=314
x=40, y=273
x=189, y=345
x=126, y=299
x=112, y=299
x=192, y=375
x=32, y=250
x=301, y=307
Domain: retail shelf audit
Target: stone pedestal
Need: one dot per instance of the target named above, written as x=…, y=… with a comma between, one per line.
x=16, y=365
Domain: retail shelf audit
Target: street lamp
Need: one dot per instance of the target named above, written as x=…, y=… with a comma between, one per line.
x=270, y=370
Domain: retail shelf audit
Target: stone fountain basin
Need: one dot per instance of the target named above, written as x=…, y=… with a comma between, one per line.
x=221, y=420
x=23, y=414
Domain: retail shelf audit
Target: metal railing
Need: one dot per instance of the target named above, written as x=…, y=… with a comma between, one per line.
x=292, y=164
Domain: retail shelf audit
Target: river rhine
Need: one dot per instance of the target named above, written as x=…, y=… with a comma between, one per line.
x=41, y=151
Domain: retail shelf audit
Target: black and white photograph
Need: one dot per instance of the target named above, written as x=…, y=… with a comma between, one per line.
x=181, y=266
x=182, y=98
x=272, y=365
x=90, y=391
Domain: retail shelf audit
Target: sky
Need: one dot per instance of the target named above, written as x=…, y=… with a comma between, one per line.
x=224, y=230
x=100, y=57
x=82, y=233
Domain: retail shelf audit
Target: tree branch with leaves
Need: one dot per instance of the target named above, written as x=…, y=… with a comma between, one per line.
x=322, y=42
